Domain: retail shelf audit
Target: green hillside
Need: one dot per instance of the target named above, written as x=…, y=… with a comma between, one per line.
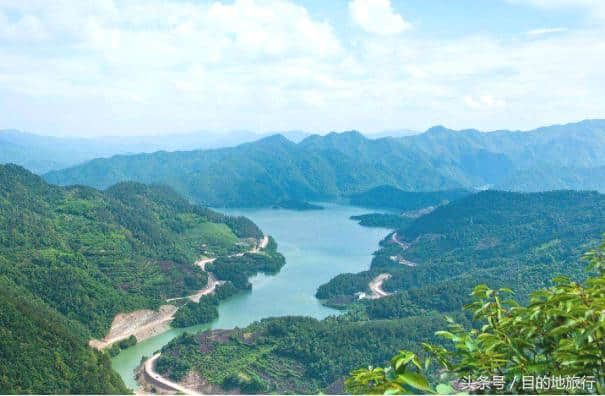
x=274, y=169
x=293, y=354
x=499, y=238
x=71, y=258
x=394, y=198
x=265, y=172
x=43, y=352
x=502, y=239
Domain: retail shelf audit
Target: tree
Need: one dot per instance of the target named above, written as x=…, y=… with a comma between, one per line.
x=559, y=335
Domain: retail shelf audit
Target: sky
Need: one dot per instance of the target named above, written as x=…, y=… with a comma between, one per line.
x=142, y=67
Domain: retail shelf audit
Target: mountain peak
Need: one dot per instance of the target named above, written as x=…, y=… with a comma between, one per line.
x=348, y=134
x=277, y=138
x=438, y=129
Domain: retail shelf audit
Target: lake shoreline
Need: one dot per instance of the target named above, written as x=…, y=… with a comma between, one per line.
x=308, y=241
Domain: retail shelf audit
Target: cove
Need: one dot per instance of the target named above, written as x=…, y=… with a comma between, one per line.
x=318, y=245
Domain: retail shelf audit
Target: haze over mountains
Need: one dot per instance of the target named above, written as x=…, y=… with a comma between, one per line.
x=339, y=164
x=41, y=154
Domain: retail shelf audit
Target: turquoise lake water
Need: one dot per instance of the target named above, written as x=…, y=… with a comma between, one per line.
x=317, y=245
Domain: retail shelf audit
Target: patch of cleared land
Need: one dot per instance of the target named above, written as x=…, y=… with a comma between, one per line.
x=146, y=323
x=143, y=324
x=375, y=287
x=404, y=245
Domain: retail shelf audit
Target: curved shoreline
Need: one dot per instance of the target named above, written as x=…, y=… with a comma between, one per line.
x=146, y=323
x=151, y=376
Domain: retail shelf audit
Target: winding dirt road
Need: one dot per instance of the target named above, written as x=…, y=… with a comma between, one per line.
x=156, y=379
x=376, y=287
x=146, y=323
x=210, y=287
x=261, y=245
x=403, y=244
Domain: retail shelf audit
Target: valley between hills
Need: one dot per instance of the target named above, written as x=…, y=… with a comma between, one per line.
x=154, y=290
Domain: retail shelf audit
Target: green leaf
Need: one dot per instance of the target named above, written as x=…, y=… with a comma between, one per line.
x=415, y=380
x=445, y=389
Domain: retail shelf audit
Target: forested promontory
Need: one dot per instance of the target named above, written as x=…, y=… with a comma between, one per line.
x=498, y=238
x=394, y=198
x=71, y=258
x=517, y=240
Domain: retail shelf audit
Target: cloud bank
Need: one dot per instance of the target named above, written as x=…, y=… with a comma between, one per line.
x=137, y=67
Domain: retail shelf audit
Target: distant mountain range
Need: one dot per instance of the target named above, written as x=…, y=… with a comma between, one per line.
x=336, y=165
x=41, y=154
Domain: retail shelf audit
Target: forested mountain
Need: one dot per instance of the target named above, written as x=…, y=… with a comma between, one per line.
x=288, y=355
x=43, y=352
x=267, y=171
x=71, y=258
x=41, y=154
x=275, y=169
x=558, y=334
x=502, y=239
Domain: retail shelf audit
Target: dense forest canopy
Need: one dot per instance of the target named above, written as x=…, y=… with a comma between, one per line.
x=498, y=238
x=71, y=258
x=44, y=352
x=394, y=198
x=293, y=354
x=275, y=169
x=532, y=237
x=555, y=344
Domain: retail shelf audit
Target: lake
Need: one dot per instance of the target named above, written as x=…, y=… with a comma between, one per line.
x=317, y=245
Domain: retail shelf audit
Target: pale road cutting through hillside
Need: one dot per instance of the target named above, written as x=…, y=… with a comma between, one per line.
x=210, y=287
x=146, y=323
x=403, y=244
x=376, y=286
x=148, y=366
x=157, y=378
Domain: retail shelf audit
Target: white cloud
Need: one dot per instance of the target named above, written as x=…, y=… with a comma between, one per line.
x=152, y=66
x=483, y=102
x=537, y=32
x=377, y=16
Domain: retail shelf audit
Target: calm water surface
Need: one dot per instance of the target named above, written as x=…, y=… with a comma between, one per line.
x=317, y=245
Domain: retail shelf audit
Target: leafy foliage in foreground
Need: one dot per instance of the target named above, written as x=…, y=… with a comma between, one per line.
x=560, y=333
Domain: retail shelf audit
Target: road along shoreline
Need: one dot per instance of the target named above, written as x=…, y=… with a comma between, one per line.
x=146, y=323
x=156, y=382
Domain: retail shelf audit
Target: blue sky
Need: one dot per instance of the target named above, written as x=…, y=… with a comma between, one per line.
x=136, y=67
